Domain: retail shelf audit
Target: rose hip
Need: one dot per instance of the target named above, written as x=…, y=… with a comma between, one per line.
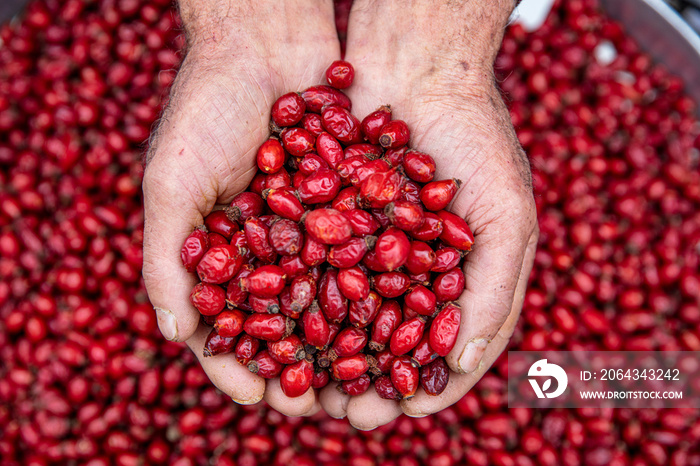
x=349, y=368
x=218, y=344
x=208, y=299
x=302, y=292
x=316, y=327
x=405, y=215
x=350, y=253
x=328, y=226
x=320, y=187
x=361, y=173
x=407, y=335
x=318, y=97
x=356, y=386
x=348, y=342
x=216, y=239
x=341, y=124
x=296, y=378
x=379, y=189
x=392, y=249
x=444, y=329
x=340, y=74
x=246, y=349
x=266, y=281
x=346, y=199
x=370, y=151
x=265, y=366
x=271, y=156
x=220, y=264
x=285, y=237
x=268, y=327
x=421, y=300
x=288, y=109
x=297, y=141
x=437, y=195
x=311, y=163
x=321, y=379
x=331, y=300
x=288, y=350
x=264, y=305
x=431, y=229
x=394, y=134
x=285, y=203
x=446, y=259
x=257, y=236
x=281, y=179
x=353, y=283
x=347, y=167
x=387, y=321
x=244, y=206
x=423, y=353
x=419, y=166
x=455, y=232
x=362, y=313
x=218, y=222
x=434, y=377
x=385, y=389
x=404, y=376
x=449, y=286
x=230, y=323
x=373, y=123
x=194, y=248
x=391, y=284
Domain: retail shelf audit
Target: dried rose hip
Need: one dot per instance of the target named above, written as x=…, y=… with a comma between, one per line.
x=437, y=195
x=387, y=321
x=418, y=166
x=385, y=389
x=406, y=215
x=218, y=344
x=331, y=300
x=194, y=248
x=296, y=378
x=407, y=335
x=328, y=226
x=349, y=368
x=353, y=283
x=271, y=156
x=362, y=313
x=285, y=237
x=230, y=323
x=317, y=97
x=404, y=376
x=340, y=74
x=394, y=134
x=341, y=124
x=284, y=202
x=391, y=284
x=220, y=264
x=444, y=329
x=379, y=189
x=351, y=252
x=244, y=206
x=257, y=236
x=297, y=141
x=421, y=300
x=319, y=187
x=316, y=328
x=208, y=299
x=392, y=249
x=265, y=366
x=356, y=386
x=268, y=327
x=421, y=258
x=449, y=286
x=288, y=109
x=266, y=281
x=434, y=377
x=455, y=231
x=246, y=348
x=348, y=342
x=373, y=123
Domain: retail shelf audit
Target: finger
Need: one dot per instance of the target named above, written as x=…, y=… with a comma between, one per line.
x=226, y=373
x=423, y=404
x=297, y=406
x=492, y=272
x=315, y=409
x=368, y=411
x=334, y=403
x=170, y=217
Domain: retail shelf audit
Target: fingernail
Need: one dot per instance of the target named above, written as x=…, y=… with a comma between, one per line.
x=252, y=401
x=471, y=356
x=167, y=323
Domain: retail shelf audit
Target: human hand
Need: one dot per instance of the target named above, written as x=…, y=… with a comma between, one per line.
x=241, y=56
x=433, y=62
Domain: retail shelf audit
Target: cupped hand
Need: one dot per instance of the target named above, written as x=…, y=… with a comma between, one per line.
x=433, y=63
x=241, y=56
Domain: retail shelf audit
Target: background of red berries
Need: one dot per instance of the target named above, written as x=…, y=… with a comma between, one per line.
x=85, y=377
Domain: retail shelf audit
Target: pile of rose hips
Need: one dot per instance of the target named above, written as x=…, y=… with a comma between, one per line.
x=86, y=378
x=340, y=261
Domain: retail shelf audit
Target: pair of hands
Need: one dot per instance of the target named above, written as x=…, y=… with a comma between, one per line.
x=432, y=62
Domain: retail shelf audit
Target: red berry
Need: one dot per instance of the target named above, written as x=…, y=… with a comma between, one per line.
x=296, y=378
x=271, y=156
x=341, y=124
x=353, y=283
x=219, y=222
x=246, y=349
x=312, y=123
x=194, y=248
x=318, y=97
x=230, y=323
x=311, y=163
x=361, y=173
x=288, y=109
x=431, y=229
x=362, y=222
x=265, y=366
x=285, y=237
x=208, y=299
x=266, y=281
x=434, y=377
x=285, y=203
x=437, y=195
x=444, y=329
x=373, y=123
x=321, y=379
x=316, y=327
x=340, y=74
x=349, y=368
x=262, y=305
x=331, y=300
x=257, y=236
x=218, y=344
x=455, y=232
x=385, y=389
x=319, y=187
x=356, y=386
x=362, y=313
x=220, y=264
x=297, y=141
x=329, y=149
x=351, y=252
x=379, y=189
x=406, y=215
x=423, y=353
x=346, y=199
x=391, y=284
x=419, y=166
x=421, y=258
x=421, y=300
x=328, y=226
x=392, y=249
x=268, y=327
x=407, y=335
x=404, y=376
x=370, y=151
x=313, y=253
x=394, y=134
x=245, y=205
x=347, y=167
x=449, y=286
x=387, y=321
x=302, y=292
x=349, y=342
x=446, y=259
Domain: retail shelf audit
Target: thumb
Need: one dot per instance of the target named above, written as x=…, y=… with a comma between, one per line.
x=170, y=216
